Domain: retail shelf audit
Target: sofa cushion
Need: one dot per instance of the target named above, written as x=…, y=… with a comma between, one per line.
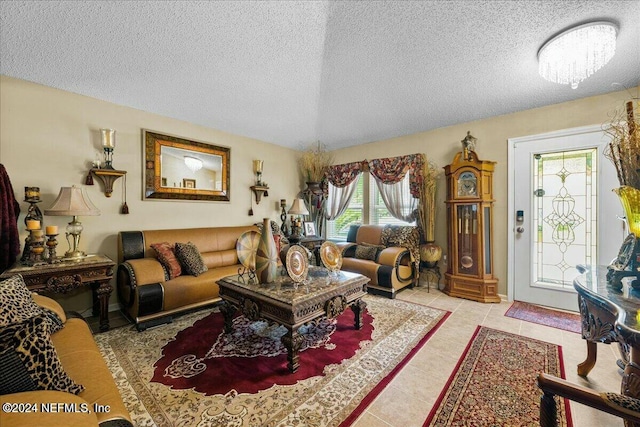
x=31, y=342
x=16, y=303
x=190, y=258
x=167, y=258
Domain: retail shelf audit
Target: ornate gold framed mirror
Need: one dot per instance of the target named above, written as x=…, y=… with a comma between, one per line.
x=182, y=169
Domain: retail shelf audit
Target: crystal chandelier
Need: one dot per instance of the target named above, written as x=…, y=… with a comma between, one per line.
x=193, y=163
x=575, y=54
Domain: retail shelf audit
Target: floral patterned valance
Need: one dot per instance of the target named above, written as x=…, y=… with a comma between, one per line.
x=343, y=175
x=391, y=170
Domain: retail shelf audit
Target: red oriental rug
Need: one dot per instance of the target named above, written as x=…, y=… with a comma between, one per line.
x=494, y=383
x=190, y=373
x=545, y=316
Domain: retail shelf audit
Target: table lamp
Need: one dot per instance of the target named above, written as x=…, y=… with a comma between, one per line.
x=72, y=201
x=297, y=208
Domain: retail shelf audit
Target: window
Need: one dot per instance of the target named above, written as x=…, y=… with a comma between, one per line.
x=375, y=212
x=354, y=214
x=378, y=212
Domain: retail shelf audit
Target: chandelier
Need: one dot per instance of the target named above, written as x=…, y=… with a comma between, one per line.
x=575, y=54
x=193, y=163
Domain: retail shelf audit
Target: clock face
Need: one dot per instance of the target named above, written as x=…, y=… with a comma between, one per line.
x=467, y=184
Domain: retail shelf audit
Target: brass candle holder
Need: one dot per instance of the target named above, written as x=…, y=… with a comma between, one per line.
x=52, y=243
x=36, y=248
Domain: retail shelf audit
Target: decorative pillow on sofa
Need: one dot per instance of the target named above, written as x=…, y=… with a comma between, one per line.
x=368, y=251
x=16, y=303
x=30, y=341
x=167, y=257
x=190, y=258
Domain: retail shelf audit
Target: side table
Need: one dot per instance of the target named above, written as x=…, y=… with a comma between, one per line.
x=431, y=272
x=65, y=276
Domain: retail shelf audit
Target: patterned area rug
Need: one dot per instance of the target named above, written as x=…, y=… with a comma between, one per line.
x=545, y=316
x=494, y=383
x=164, y=384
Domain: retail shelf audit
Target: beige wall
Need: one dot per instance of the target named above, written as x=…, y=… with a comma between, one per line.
x=440, y=145
x=49, y=137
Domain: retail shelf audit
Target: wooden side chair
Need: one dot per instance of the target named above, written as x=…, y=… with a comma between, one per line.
x=616, y=404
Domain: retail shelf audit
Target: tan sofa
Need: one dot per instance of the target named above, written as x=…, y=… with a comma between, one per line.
x=83, y=362
x=148, y=296
x=390, y=267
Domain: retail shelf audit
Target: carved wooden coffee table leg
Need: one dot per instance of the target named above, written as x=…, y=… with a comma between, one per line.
x=227, y=310
x=592, y=354
x=292, y=341
x=358, y=307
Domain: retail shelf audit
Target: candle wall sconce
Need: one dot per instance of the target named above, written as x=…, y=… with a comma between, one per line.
x=261, y=188
x=106, y=174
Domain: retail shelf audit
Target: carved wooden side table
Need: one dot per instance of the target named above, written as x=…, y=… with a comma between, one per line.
x=63, y=277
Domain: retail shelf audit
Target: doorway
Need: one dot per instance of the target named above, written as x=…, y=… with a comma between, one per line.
x=563, y=213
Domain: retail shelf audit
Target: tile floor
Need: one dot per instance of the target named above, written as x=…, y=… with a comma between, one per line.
x=407, y=400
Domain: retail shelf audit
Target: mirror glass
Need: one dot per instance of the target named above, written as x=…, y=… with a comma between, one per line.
x=177, y=168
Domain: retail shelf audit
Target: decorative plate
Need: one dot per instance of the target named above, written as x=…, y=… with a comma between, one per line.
x=331, y=256
x=297, y=263
x=247, y=246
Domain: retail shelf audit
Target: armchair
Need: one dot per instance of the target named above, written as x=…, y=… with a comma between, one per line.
x=616, y=404
x=388, y=255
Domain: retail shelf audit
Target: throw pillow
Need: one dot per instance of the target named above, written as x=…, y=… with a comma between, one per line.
x=190, y=258
x=31, y=343
x=16, y=304
x=366, y=252
x=167, y=257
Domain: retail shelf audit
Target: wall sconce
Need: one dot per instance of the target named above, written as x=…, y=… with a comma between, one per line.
x=108, y=144
x=257, y=169
x=260, y=188
x=72, y=201
x=297, y=208
x=107, y=175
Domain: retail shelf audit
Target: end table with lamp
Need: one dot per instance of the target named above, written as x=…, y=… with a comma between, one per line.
x=53, y=275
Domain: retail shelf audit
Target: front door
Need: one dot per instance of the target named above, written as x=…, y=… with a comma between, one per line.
x=565, y=213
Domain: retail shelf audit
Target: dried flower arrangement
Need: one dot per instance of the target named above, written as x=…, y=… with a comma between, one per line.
x=427, y=212
x=624, y=148
x=314, y=161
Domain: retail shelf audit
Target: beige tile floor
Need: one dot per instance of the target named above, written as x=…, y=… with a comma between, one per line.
x=407, y=400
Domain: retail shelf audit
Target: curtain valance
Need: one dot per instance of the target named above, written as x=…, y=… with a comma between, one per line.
x=392, y=170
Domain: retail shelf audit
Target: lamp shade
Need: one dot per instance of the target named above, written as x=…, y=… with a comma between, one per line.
x=298, y=208
x=72, y=201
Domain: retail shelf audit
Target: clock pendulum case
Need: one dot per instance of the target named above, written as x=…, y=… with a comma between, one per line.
x=470, y=228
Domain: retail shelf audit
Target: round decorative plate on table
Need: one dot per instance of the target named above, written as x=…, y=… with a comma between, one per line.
x=297, y=263
x=331, y=256
x=247, y=246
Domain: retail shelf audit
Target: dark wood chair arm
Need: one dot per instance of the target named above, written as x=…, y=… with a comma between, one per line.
x=554, y=386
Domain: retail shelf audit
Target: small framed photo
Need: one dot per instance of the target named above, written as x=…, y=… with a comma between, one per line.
x=310, y=229
x=188, y=183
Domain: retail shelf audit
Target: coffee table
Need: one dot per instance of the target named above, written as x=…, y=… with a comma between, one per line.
x=292, y=305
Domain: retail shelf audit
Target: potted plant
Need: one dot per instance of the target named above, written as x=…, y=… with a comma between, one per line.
x=313, y=164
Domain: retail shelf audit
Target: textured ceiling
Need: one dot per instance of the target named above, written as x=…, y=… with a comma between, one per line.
x=291, y=73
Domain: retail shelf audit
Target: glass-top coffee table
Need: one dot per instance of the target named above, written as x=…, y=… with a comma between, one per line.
x=292, y=305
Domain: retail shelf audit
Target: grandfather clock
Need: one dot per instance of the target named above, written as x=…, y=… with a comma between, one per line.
x=470, y=227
